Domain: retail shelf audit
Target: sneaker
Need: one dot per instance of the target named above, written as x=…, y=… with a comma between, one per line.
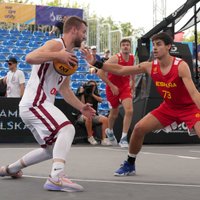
x=123, y=143
x=92, y=141
x=5, y=172
x=111, y=137
x=62, y=183
x=126, y=169
x=106, y=142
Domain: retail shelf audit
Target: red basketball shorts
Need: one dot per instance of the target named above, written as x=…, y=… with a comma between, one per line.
x=115, y=100
x=167, y=114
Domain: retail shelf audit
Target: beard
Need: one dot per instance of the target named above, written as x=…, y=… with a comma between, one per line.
x=77, y=42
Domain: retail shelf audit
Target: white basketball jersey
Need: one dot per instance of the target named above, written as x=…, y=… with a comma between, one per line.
x=43, y=84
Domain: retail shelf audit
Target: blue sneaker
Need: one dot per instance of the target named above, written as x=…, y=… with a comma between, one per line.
x=123, y=142
x=126, y=169
x=111, y=137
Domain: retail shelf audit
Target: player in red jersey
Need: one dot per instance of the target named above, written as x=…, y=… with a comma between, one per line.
x=119, y=90
x=172, y=78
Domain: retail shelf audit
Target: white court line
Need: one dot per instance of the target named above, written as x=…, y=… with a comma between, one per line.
x=112, y=149
x=194, y=151
x=124, y=182
x=151, y=153
x=173, y=155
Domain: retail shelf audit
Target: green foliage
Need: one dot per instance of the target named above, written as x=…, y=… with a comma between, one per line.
x=192, y=38
x=126, y=27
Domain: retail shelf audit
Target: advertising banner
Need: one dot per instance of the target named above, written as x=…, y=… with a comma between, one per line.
x=48, y=15
x=17, y=13
x=12, y=128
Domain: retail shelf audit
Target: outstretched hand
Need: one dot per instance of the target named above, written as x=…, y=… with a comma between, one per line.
x=88, y=111
x=88, y=56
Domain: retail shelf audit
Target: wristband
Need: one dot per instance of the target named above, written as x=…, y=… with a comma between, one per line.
x=98, y=64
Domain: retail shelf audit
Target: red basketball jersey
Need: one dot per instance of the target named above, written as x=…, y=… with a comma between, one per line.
x=122, y=81
x=171, y=86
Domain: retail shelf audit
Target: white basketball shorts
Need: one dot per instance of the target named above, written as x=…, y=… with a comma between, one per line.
x=44, y=121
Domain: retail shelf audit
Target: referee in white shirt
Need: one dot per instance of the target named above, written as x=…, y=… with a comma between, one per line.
x=14, y=79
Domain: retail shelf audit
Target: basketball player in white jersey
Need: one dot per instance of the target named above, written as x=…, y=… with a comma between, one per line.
x=50, y=127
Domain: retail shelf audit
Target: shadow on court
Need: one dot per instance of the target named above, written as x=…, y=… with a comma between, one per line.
x=163, y=173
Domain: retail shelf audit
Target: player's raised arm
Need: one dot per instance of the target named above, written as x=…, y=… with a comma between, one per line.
x=50, y=51
x=120, y=70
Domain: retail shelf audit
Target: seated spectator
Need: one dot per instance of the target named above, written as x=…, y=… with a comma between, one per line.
x=88, y=93
x=15, y=79
x=106, y=55
x=97, y=57
x=94, y=53
x=58, y=26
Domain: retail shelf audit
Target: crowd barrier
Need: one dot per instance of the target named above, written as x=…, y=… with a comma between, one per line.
x=13, y=130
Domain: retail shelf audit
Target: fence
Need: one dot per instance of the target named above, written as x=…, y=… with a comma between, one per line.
x=99, y=34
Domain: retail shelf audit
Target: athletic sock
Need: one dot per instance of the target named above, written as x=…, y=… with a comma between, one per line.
x=124, y=135
x=110, y=130
x=57, y=167
x=131, y=158
x=33, y=157
x=15, y=167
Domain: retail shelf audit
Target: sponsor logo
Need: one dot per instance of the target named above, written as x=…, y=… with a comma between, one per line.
x=197, y=115
x=10, y=120
x=155, y=70
x=54, y=17
x=53, y=91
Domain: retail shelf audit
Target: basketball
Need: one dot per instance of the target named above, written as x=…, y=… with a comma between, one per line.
x=64, y=69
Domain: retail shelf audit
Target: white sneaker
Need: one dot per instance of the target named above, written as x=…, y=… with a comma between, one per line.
x=106, y=142
x=111, y=137
x=62, y=183
x=92, y=141
x=123, y=142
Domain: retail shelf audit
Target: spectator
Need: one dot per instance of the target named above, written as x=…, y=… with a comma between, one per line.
x=58, y=26
x=15, y=79
x=94, y=53
x=97, y=57
x=88, y=93
x=106, y=55
x=2, y=88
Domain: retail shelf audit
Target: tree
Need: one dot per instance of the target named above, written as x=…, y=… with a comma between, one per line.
x=192, y=38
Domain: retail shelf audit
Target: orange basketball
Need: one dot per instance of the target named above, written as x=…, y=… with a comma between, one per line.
x=64, y=69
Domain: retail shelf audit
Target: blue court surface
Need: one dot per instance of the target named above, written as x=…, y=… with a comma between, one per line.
x=168, y=172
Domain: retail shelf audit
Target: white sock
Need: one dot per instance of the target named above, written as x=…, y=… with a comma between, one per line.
x=132, y=155
x=31, y=158
x=15, y=167
x=123, y=135
x=57, y=167
x=110, y=130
